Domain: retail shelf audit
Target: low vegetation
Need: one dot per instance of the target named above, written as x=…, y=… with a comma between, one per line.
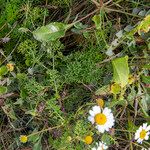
x=74, y=75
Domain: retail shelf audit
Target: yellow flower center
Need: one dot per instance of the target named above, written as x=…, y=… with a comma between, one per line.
x=23, y=138
x=142, y=134
x=100, y=119
x=10, y=67
x=88, y=139
x=131, y=79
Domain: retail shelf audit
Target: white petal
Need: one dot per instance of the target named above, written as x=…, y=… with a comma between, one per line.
x=136, y=136
x=97, y=144
x=148, y=128
x=92, y=113
x=139, y=140
x=109, y=124
x=140, y=129
x=146, y=137
x=106, y=110
x=100, y=129
x=96, y=109
x=107, y=129
x=105, y=147
x=100, y=144
x=99, y=148
x=91, y=119
x=144, y=125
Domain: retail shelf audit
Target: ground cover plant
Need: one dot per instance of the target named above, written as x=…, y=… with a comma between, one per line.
x=74, y=75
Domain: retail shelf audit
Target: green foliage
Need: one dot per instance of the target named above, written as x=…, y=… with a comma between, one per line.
x=121, y=71
x=3, y=71
x=62, y=66
x=28, y=48
x=77, y=96
x=50, y=32
x=34, y=16
x=3, y=90
x=82, y=68
x=61, y=3
x=10, y=12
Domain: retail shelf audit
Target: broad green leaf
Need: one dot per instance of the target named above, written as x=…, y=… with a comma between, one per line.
x=35, y=137
x=3, y=70
x=37, y=145
x=50, y=32
x=121, y=71
x=3, y=90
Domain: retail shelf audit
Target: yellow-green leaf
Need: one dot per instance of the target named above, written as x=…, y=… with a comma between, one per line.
x=3, y=90
x=50, y=32
x=121, y=71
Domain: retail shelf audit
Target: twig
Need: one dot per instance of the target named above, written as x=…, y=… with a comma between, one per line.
x=8, y=95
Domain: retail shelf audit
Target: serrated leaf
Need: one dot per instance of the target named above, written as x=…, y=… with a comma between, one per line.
x=50, y=32
x=121, y=71
x=3, y=90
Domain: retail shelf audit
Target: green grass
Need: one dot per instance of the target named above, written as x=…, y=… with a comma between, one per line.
x=55, y=83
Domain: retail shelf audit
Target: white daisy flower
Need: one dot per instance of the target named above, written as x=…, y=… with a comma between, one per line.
x=142, y=133
x=100, y=146
x=103, y=118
